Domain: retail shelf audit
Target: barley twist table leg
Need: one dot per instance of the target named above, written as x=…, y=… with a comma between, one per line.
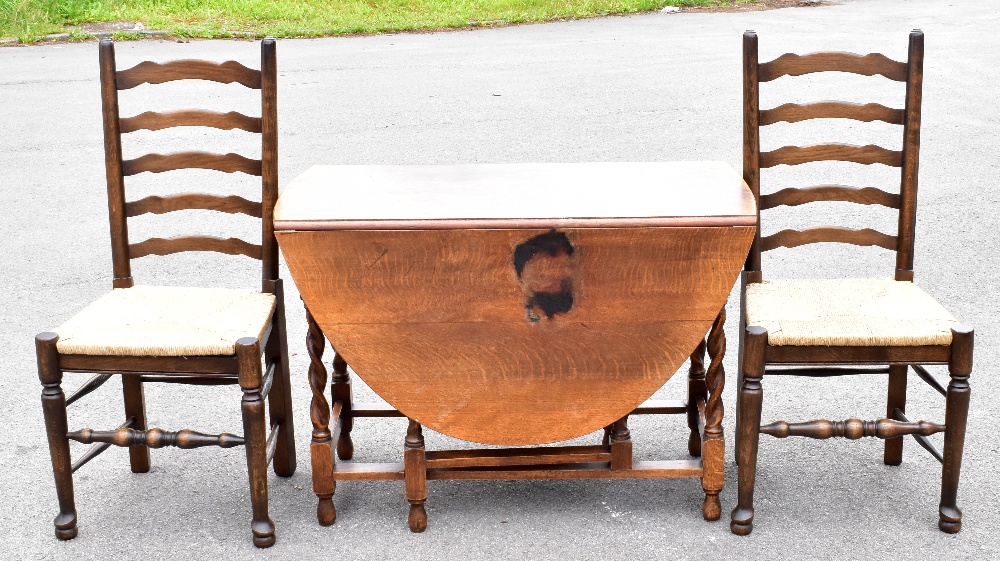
x=697, y=392
x=714, y=443
x=321, y=449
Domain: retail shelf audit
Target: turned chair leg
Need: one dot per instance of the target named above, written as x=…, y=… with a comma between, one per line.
x=135, y=407
x=340, y=389
x=415, y=475
x=56, y=427
x=255, y=436
x=697, y=391
x=956, y=414
x=751, y=394
x=893, y=455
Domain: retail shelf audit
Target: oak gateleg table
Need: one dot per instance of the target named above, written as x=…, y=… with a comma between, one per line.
x=516, y=305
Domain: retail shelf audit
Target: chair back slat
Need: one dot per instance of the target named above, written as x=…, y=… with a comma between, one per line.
x=798, y=196
x=166, y=246
x=149, y=72
x=794, y=155
x=158, y=163
x=794, y=112
x=153, y=121
x=795, y=238
x=791, y=64
x=233, y=204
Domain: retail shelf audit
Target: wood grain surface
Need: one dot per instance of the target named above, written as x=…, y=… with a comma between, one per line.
x=149, y=72
x=442, y=325
x=795, y=112
x=791, y=64
x=153, y=121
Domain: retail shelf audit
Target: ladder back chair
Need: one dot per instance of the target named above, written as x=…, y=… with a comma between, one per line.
x=834, y=327
x=199, y=336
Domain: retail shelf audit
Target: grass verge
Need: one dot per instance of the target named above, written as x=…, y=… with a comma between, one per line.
x=30, y=19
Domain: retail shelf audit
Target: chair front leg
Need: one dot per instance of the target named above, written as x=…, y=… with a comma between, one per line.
x=255, y=435
x=956, y=415
x=751, y=395
x=56, y=427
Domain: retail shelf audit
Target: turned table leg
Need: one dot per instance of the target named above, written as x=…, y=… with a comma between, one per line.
x=340, y=388
x=621, y=445
x=415, y=475
x=714, y=444
x=697, y=392
x=321, y=449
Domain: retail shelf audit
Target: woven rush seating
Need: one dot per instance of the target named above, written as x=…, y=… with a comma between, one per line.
x=166, y=321
x=847, y=312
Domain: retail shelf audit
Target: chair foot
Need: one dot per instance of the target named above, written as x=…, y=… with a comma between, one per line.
x=741, y=521
x=326, y=512
x=65, y=524
x=263, y=533
x=950, y=521
x=418, y=517
x=711, y=509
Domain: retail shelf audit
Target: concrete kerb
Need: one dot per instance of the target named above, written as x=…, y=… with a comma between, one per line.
x=75, y=34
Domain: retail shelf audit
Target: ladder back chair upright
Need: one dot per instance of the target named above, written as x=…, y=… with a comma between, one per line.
x=199, y=336
x=834, y=327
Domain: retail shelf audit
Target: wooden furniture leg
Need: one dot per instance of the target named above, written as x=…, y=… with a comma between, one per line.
x=135, y=408
x=340, y=389
x=321, y=448
x=955, y=416
x=621, y=445
x=893, y=455
x=255, y=436
x=56, y=427
x=750, y=398
x=739, y=350
x=280, y=398
x=714, y=445
x=697, y=392
x=415, y=476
